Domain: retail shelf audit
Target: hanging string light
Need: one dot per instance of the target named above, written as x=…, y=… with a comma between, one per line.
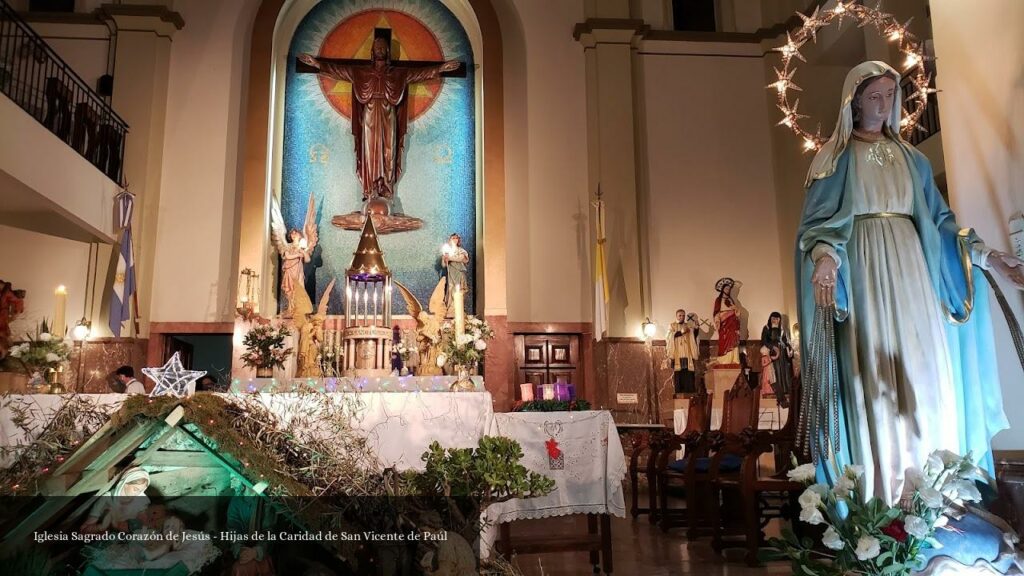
x=887, y=25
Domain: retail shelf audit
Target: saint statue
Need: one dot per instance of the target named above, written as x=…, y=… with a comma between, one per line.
x=727, y=323
x=295, y=248
x=12, y=303
x=897, y=336
x=379, y=98
x=455, y=259
x=776, y=359
x=682, y=352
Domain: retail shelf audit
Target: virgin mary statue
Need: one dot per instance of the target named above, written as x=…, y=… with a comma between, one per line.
x=901, y=359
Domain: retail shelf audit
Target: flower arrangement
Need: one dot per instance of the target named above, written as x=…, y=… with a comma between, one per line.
x=874, y=538
x=265, y=348
x=578, y=404
x=401, y=350
x=464, y=349
x=42, y=352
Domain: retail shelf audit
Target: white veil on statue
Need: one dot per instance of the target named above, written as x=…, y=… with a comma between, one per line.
x=824, y=163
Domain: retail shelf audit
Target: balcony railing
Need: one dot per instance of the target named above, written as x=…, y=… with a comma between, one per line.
x=36, y=79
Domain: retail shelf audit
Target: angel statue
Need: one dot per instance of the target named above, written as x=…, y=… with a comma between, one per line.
x=428, y=327
x=311, y=338
x=295, y=247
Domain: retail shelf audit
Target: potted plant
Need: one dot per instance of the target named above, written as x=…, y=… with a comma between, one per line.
x=265, y=349
x=464, y=351
x=43, y=357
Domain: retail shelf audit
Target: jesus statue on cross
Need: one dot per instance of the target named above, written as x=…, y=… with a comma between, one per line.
x=379, y=117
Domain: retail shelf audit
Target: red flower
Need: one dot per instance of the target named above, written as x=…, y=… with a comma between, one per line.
x=553, y=450
x=896, y=531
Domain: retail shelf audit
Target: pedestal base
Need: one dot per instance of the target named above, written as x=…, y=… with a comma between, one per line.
x=384, y=224
x=719, y=379
x=367, y=351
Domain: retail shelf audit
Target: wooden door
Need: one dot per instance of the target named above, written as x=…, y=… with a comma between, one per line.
x=544, y=358
x=184, y=349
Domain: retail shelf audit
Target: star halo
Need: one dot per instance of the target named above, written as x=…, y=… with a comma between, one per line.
x=887, y=25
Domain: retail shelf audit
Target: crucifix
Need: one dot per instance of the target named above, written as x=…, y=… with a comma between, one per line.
x=379, y=119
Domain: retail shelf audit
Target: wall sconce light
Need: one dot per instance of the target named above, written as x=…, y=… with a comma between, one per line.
x=248, y=295
x=82, y=329
x=649, y=328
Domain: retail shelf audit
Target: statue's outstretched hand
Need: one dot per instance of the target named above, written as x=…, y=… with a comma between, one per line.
x=310, y=60
x=1009, y=267
x=824, y=281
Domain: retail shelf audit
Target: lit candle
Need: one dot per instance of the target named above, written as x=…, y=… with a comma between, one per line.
x=460, y=313
x=527, y=392
x=549, y=392
x=59, y=326
x=562, y=391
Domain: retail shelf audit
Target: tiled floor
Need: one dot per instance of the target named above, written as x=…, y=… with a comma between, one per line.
x=638, y=548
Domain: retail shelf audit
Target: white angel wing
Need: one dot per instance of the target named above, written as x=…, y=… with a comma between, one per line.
x=278, y=231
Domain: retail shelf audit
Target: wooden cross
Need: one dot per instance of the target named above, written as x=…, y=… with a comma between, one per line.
x=385, y=33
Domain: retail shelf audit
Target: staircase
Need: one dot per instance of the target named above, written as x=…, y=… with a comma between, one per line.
x=35, y=78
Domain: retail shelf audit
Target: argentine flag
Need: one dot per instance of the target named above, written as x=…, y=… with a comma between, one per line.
x=124, y=284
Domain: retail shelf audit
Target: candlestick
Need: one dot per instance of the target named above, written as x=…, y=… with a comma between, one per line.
x=59, y=326
x=460, y=313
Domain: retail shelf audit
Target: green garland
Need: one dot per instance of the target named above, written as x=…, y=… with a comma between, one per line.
x=552, y=406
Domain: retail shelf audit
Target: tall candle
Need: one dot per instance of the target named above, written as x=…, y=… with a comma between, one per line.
x=59, y=326
x=460, y=313
x=526, y=391
x=548, y=392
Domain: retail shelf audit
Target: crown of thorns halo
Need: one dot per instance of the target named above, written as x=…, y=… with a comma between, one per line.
x=887, y=25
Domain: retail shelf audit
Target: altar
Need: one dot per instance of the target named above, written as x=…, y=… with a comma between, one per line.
x=399, y=426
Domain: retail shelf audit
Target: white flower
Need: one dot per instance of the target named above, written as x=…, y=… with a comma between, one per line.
x=480, y=345
x=867, y=548
x=802, y=473
x=931, y=497
x=853, y=471
x=940, y=522
x=441, y=360
x=16, y=351
x=916, y=526
x=812, y=516
x=843, y=486
x=45, y=337
x=476, y=334
x=832, y=539
x=961, y=489
x=51, y=357
x=463, y=339
x=810, y=499
x=946, y=457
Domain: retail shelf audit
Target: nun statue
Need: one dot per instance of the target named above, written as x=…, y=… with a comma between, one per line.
x=899, y=359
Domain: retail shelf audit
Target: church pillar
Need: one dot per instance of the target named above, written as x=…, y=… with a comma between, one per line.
x=612, y=141
x=141, y=65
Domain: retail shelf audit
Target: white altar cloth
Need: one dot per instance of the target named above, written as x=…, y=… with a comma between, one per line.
x=352, y=384
x=593, y=463
x=399, y=425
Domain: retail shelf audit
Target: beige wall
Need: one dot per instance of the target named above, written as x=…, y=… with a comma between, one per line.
x=545, y=162
x=196, y=240
x=710, y=180
x=980, y=52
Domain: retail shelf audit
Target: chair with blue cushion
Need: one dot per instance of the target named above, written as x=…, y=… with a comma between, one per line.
x=664, y=446
x=703, y=458
x=759, y=495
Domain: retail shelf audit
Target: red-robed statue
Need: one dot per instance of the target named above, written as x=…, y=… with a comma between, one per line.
x=379, y=115
x=727, y=322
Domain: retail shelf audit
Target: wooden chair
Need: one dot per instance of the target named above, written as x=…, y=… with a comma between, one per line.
x=698, y=423
x=761, y=497
x=693, y=471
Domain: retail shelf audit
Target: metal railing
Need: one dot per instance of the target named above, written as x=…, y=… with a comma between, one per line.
x=35, y=78
x=929, y=121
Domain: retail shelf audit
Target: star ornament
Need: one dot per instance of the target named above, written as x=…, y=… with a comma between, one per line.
x=172, y=379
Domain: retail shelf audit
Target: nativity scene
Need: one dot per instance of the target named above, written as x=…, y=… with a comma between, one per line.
x=477, y=287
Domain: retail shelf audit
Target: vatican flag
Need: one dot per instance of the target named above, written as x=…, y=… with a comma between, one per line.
x=601, y=292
